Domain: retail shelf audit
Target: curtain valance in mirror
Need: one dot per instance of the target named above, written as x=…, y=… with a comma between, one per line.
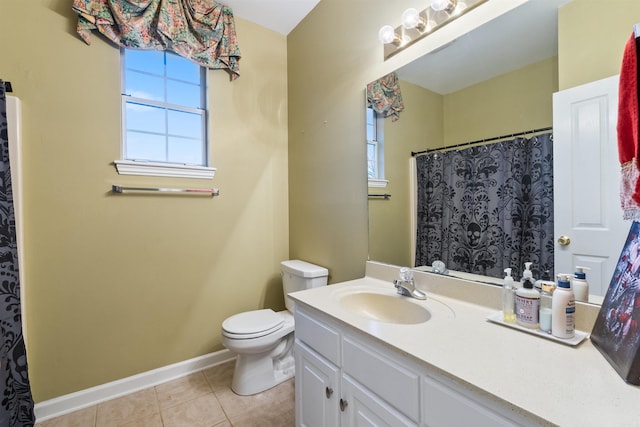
x=383, y=95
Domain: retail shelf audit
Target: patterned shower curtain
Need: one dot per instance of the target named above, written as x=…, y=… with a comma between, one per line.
x=486, y=208
x=16, y=404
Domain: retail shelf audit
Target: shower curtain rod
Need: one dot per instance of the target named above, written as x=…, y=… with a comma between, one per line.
x=465, y=144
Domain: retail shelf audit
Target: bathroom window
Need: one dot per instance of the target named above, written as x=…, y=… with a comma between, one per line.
x=375, y=149
x=164, y=115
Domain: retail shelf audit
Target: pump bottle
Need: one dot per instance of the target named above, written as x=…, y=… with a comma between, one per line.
x=527, y=304
x=508, y=298
x=580, y=285
x=564, y=307
x=527, y=275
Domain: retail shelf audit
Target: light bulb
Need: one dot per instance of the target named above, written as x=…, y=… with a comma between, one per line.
x=461, y=6
x=410, y=18
x=387, y=34
x=446, y=5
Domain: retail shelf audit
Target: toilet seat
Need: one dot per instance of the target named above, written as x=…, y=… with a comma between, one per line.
x=252, y=324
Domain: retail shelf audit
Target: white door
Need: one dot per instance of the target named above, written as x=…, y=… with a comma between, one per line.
x=589, y=230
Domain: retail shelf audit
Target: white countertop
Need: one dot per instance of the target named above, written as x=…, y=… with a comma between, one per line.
x=561, y=384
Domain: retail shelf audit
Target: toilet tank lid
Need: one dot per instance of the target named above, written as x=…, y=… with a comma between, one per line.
x=303, y=268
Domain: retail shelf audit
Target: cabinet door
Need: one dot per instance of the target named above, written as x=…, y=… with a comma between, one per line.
x=360, y=407
x=317, y=389
x=444, y=407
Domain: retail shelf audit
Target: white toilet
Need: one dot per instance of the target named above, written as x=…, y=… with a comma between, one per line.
x=263, y=339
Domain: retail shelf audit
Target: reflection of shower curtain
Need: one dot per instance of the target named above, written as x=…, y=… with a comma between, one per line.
x=16, y=406
x=486, y=208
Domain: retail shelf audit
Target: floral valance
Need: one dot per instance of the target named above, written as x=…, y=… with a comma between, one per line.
x=383, y=95
x=200, y=30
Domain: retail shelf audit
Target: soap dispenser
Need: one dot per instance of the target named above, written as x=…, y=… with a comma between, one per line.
x=528, y=304
x=580, y=284
x=527, y=275
x=508, y=298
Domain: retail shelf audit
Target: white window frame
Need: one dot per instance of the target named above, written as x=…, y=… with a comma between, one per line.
x=163, y=169
x=378, y=181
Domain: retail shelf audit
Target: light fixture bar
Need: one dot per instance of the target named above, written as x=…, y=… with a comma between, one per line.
x=414, y=28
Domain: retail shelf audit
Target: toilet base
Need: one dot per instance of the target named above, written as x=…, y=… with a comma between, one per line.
x=255, y=373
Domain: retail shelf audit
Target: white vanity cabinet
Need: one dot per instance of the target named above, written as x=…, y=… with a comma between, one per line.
x=333, y=371
x=347, y=378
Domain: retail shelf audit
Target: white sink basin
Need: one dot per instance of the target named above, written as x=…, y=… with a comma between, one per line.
x=387, y=308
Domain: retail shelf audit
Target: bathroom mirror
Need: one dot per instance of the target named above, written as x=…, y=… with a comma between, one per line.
x=496, y=80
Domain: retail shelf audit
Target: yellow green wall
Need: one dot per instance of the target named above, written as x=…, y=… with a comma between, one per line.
x=513, y=102
x=121, y=284
x=591, y=39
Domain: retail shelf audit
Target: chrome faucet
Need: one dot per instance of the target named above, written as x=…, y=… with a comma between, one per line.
x=406, y=286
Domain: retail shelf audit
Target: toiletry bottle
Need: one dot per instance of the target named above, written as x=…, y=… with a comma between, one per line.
x=564, y=307
x=546, y=304
x=527, y=305
x=580, y=285
x=527, y=275
x=508, y=298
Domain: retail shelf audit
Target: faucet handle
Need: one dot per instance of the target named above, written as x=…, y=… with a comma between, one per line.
x=406, y=274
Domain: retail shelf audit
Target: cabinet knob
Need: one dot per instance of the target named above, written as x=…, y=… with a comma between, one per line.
x=328, y=392
x=343, y=405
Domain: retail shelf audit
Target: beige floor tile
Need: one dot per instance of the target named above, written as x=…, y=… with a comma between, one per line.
x=220, y=376
x=203, y=411
x=182, y=390
x=151, y=421
x=128, y=408
x=81, y=418
x=203, y=399
x=269, y=401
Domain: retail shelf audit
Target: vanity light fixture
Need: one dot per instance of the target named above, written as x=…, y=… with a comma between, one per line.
x=416, y=25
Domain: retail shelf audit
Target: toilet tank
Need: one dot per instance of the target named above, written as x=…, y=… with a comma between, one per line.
x=299, y=275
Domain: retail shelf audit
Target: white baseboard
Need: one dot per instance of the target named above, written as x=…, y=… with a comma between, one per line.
x=84, y=398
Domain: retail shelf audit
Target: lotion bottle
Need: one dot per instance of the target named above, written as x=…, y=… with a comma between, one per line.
x=580, y=285
x=527, y=304
x=564, y=308
x=508, y=298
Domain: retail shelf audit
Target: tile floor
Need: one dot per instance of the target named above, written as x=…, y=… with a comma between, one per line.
x=203, y=399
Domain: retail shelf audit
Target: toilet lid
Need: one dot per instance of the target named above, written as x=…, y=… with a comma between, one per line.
x=253, y=324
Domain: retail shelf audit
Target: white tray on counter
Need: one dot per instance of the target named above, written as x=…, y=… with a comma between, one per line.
x=577, y=339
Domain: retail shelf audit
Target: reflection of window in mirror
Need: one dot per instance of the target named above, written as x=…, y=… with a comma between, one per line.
x=375, y=149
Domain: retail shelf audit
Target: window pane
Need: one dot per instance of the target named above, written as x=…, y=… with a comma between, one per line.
x=371, y=125
x=372, y=161
x=145, y=118
x=144, y=146
x=144, y=86
x=185, y=124
x=182, y=69
x=184, y=94
x=183, y=150
x=149, y=61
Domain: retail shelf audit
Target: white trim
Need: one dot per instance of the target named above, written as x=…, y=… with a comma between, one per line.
x=84, y=398
x=131, y=167
x=378, y=183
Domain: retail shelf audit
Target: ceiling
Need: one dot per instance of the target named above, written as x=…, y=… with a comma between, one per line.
x=281, y=16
